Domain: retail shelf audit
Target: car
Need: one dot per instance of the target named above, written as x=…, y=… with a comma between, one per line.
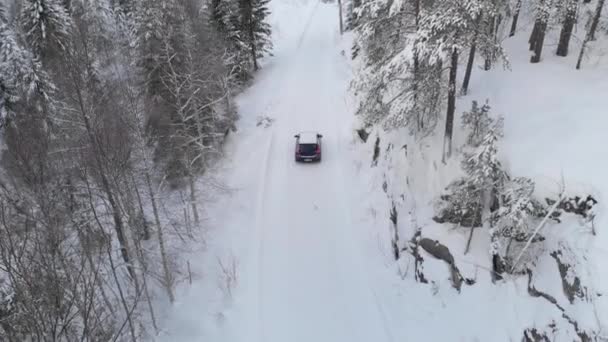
x=308, y=147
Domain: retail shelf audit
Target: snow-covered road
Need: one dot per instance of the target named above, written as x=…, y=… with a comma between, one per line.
x=301, y=274
x=305, y=276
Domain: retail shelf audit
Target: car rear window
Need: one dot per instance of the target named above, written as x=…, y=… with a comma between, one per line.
x=308, y=149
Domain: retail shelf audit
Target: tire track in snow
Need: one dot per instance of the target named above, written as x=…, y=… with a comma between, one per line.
x=307, y=25
x=269, y=291
x=263, y=190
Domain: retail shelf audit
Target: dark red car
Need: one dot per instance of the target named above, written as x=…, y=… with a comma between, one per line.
x=308, y=147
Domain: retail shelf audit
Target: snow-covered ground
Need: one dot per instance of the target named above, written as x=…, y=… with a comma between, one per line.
x=554, y=124
x=310, y=244
x=300, y=274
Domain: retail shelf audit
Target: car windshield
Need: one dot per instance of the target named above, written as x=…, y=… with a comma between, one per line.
x=308, y=149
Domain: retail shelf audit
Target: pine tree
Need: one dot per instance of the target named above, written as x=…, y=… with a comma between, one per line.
x=479, y=123
x=481, y=164
x=389, y=50
x=21, y=75
x=513, y=217
x=47, y=26
x=261, y=28
x=484, y=173
x=255, y=30
x=219, y=15
x=224, y=17
x=445, y=32
x=3, y=19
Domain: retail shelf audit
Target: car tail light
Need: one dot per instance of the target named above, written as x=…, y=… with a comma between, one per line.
x=298, y=150
x=318, y=150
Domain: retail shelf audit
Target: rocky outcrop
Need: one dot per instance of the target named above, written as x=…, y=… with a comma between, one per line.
x=441, y=252
x=414, y=249
x=532, y=291
x=533, y=335
x=363, y=135
x=571, y=283
x=376, y=152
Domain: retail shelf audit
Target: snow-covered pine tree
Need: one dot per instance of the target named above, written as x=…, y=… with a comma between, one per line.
x=261, y=27
x=444, y=32
x=512, y=218
x=484, y=172
x=3, y=18
x=478, y=122
x=482, y=166
x=219, y=15
x=351, y=15
x=254, y=28
x=224, y=17
x=21, y=75
x=400, y=88
x=159, y=33
x=47, y=26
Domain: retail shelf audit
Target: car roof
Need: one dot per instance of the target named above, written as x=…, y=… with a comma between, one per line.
x=308, y=138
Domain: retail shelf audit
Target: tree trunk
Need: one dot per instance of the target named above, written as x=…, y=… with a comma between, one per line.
x=538, y=33
x=123, y=300
x=340, y=14
x=566, y=32
x=469, y=69
x=493, y=32
x=487, y=65
x=251, y=32
x=515, y=18
x=146, y=232
x=539, y=41
x=193, y=200
x=532, y=39
x=416, y=80
x=97, y=151
x=246, y=13
x=596, y=19
x=591, y=33
x=468, y=247
x=144, y=275
x=161, y=241
x=254, y=54
x=449, y=120
x=471, y=61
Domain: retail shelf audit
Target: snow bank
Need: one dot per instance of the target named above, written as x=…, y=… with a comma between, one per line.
x=554, y=124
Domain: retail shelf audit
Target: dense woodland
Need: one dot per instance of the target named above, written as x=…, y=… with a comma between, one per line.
x=109, y=108
x=417, y=57
x=106, y=108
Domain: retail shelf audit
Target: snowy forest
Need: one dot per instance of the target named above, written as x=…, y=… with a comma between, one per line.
x=148, y=190
x=415, y=62
x=414, y=80
x=109, y=112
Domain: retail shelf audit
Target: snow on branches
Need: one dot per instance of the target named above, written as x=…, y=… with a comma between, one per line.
x=46, y=24
x=487, y=196
x=21, y=74
x=405, y=46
